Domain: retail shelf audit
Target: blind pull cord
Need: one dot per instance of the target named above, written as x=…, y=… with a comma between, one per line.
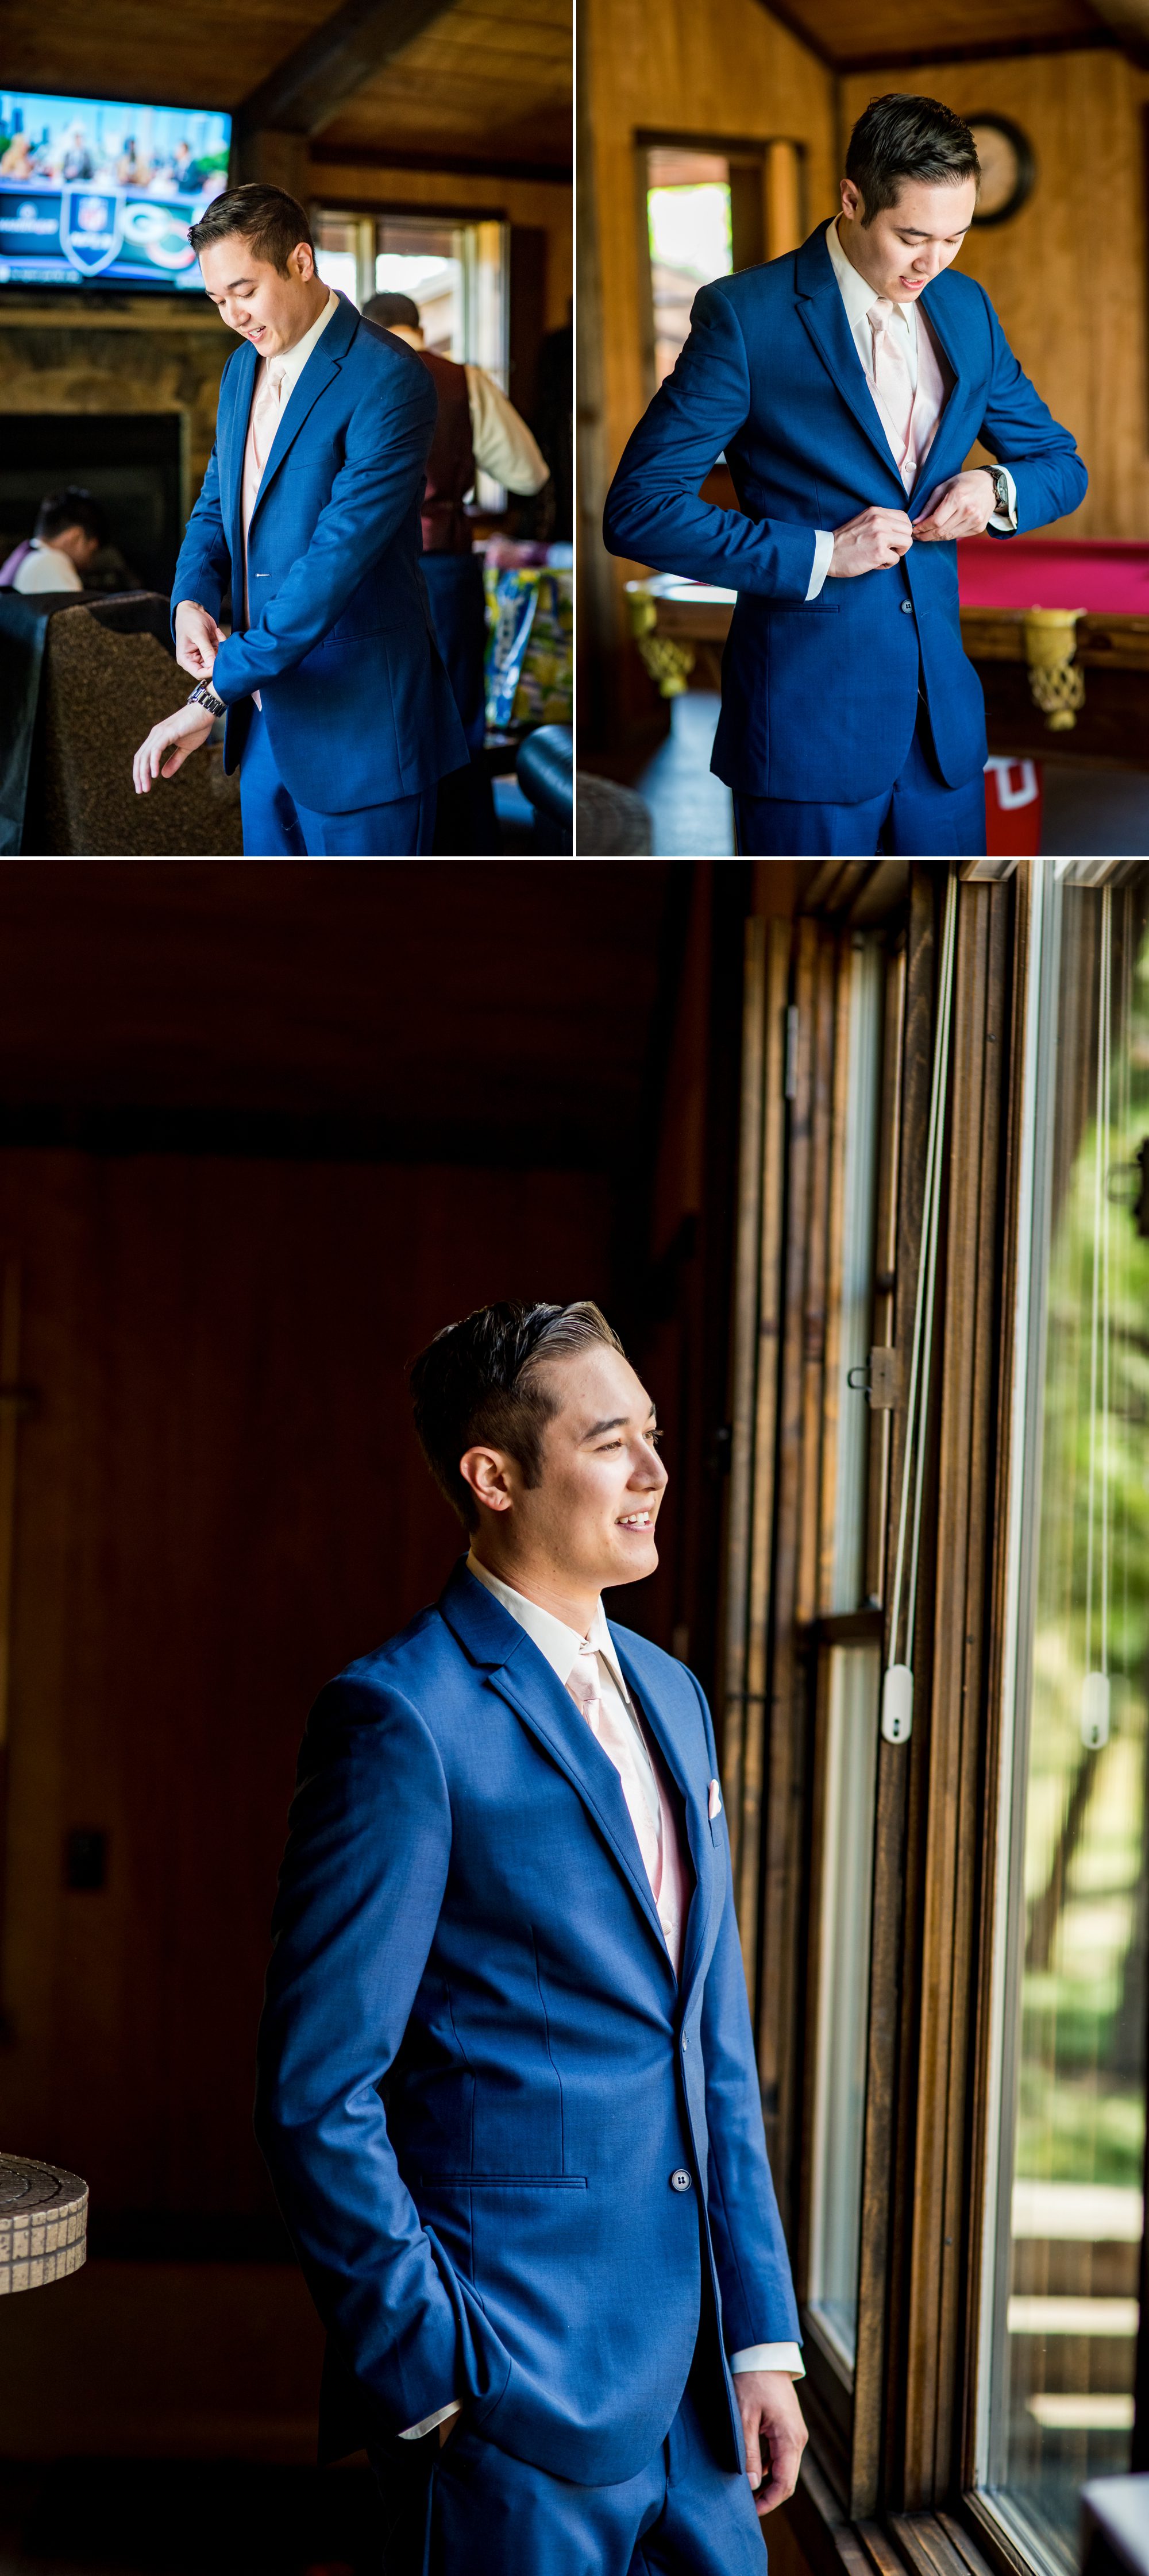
x=1095, y=1694
x=898, y=1681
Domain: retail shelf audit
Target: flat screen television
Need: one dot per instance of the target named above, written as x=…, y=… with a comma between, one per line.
x=97, y=192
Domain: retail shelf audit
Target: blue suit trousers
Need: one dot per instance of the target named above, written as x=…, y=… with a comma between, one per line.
x=277, y=826
x=474, y=2510
x=919, y=817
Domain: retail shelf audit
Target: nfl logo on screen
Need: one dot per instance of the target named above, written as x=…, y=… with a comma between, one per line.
x=91, y=228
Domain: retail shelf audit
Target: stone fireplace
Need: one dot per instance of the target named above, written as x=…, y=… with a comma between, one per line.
x=119, y=395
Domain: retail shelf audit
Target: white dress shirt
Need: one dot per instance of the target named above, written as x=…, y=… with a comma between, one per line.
x=561, y=1646
x=46, y=568
x=858, y=297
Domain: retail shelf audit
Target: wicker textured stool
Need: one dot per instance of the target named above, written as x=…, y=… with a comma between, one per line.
x=43, y=2223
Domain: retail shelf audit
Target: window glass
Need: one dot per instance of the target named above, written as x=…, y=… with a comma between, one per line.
x=425, y=261
x=336, y=254
x=1063, y=2282
x=852, y=1681
x=688, y=215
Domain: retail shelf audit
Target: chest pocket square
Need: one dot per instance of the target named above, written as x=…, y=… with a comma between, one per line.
x=714, y=1801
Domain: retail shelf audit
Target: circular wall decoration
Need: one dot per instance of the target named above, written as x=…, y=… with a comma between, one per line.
x=1008, y=168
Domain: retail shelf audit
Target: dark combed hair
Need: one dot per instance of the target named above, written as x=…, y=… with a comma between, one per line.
x=71, y=508
x=268, y=218
x=484, y=1379
x=901, y=137
x=387, y=310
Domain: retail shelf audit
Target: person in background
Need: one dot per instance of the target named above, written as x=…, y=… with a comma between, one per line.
x=554, y=421
x=70, y=531
x=477, y=430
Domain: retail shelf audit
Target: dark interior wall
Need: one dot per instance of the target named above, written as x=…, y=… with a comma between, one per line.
x=219, y=1502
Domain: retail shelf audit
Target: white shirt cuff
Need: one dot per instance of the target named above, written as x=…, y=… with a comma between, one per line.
x=823, y=553
x=999, y=519
x=771, y=2356
x=415, y=2432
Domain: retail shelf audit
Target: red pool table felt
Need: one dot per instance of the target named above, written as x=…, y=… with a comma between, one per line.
x=1108, y=577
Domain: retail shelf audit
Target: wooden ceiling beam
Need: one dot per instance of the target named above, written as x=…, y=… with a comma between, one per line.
x=306, y=91
x=1128, y=21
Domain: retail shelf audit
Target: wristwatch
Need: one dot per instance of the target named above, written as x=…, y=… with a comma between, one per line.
x=203, y=695
x=1000, y=481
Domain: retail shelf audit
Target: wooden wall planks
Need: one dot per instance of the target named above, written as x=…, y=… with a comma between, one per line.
x=1068, y=275
x=219, y=1503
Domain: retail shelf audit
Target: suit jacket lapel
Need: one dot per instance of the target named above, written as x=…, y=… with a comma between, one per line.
x=947, y=452
x=241, y=384
x=820, y=306
x=670, y=1737
x=321, y=370
x=523, y=1677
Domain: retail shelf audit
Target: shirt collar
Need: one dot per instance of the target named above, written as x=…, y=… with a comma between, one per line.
x=293, y=361
x=857, y=294
x=561, y=1645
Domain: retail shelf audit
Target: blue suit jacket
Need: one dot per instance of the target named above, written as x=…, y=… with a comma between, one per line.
x=478, y=2070
x=819, y=698
x=340, y=646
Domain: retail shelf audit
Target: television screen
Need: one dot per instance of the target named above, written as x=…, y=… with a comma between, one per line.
x=96, y=192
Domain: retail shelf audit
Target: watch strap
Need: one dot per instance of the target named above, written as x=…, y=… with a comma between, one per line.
x=203, y=695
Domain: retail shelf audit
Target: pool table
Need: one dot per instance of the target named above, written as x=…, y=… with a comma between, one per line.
x=1058, y=630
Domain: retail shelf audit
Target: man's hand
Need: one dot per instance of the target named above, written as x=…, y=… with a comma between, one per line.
x=870, y=543
x=963, y=507
x=773, y=2431
x=178, y=735
x=198, y=639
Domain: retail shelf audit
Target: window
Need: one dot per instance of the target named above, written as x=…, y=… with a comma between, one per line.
x=1068, y=2139
x=703, y=214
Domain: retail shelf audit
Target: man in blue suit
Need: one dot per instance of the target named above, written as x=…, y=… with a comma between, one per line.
x=507, y=2087
x=846, y=384
x=339, y=711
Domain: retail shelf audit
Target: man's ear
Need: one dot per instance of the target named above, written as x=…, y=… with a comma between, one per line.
x=486, y=1471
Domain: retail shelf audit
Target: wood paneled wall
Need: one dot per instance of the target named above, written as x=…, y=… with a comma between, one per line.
x=674, y=67
x=1068, y=275
x=220, y=1501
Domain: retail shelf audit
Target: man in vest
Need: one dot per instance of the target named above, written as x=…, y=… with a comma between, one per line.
x=477, y=430
x=846, y=384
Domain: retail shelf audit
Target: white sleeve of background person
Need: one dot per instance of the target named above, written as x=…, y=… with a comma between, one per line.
x=503, y=445
x=47, y=569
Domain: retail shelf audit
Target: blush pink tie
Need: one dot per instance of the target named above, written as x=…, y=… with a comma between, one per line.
x=617, y=1737
x=266, y=411
x=893, y=383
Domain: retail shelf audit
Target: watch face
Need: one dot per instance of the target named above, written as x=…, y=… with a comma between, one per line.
x=1008, y=168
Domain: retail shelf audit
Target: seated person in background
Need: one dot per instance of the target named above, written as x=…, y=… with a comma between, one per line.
x=477, y=430
x=70, y=531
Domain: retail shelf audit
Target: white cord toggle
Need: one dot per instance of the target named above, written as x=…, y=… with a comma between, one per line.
x=897, y=1703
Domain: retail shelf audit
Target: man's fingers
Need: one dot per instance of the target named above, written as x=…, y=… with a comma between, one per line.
x=752, y=2438
x=176, y=762
x=785, y=2462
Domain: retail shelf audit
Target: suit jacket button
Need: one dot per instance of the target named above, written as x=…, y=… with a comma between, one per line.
x=907, y=608
x=681, y=2181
